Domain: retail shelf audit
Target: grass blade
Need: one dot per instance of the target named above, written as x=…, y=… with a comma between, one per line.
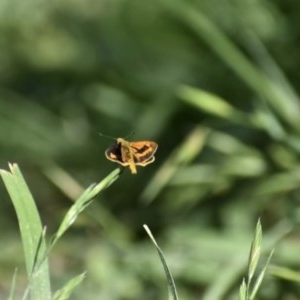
x=65, y=292
x=31, y=229
x=171, y=284
x=212, y=104
x=181, y=156
x=82, y=202
x=285, y=273
x=243, y=291
x=260, y=277
x=255, y=251
x=287, y=107
x=13, y=286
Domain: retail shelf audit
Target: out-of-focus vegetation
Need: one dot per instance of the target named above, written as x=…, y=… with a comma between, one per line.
x=214, y=83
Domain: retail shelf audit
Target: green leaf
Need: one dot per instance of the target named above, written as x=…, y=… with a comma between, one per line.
x=285, y=273
x=254, y=77
x=243, y=291
x=82, y=202
x=171, y=284
x=13, y=286
x=211, y=104
x=31, y=229
x=65, y=292
x=181, y=156
x=260, y=277
x=255, y=251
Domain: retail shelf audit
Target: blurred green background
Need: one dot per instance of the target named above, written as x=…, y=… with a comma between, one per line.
x=214, y=83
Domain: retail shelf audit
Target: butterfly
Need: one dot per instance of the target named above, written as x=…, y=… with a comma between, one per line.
x=132, y=154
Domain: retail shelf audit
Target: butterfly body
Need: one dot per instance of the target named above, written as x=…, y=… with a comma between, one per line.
x=132, y=154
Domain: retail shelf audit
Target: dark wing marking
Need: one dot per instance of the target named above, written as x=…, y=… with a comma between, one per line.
x=114, y=153
x=144, y=153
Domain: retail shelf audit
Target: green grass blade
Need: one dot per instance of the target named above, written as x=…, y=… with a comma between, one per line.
x=13, y=286
x=65, y=292
x=285, y=273
x=255, y=252
x=287, y=107
x=212, y=104
x=82, y=202
x=31, y=232
x=171, y=284
x=260, y=277
x=243, y=291
x=181, y=156
x=99, y=212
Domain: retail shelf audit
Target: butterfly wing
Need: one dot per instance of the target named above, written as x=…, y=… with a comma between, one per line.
x=143, y=152
x=131, y=153
x=115, y=153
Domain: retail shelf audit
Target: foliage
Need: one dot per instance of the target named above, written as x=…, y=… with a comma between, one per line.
x=214, y=83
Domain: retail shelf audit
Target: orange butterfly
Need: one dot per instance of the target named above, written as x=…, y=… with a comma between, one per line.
x=132, y=154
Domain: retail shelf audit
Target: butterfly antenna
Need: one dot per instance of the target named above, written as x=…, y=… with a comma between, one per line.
x=129, y=135
x=107, y=136
x=114, y=138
